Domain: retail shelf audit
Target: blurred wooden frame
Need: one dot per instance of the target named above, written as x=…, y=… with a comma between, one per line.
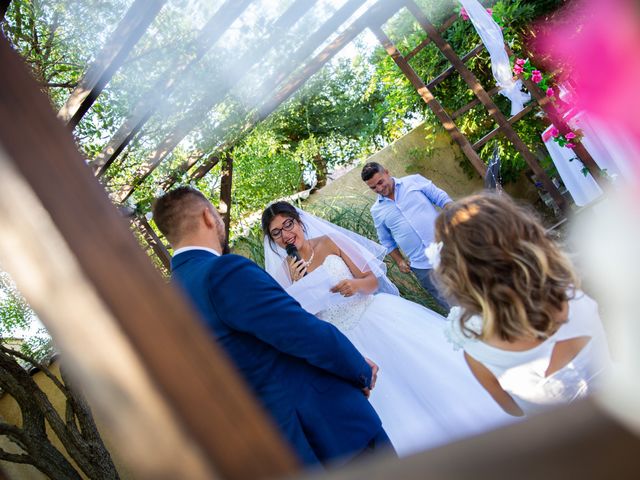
x=171, y=401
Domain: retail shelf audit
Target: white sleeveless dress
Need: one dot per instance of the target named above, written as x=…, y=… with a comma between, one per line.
x=425, y=394
x=522, y=374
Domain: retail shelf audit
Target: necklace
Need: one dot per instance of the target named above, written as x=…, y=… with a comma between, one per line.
x=306, y=263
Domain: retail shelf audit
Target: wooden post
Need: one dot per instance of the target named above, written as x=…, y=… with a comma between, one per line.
x=471, y=80
x=225, y=192
x=157, y=95
x=431, y=101
x=107, y=62
x=173, y=403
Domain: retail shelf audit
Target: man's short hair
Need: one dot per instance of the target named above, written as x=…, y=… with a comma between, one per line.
x=176, y=212
x=370, y=169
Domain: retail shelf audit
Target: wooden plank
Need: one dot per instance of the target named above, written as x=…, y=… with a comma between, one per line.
x=157, y=96
x=578, y=441
x=497, y=130
x=276, y=98
x=376, y=15
x=447, y=23
x=173, y=402
x=461, y=111
x=109, y=60
x=154, y=241
x=225, y=192
x=471, y=80
x=447, y=73
x=205, y=168
x=431, y=101
x=228, y=79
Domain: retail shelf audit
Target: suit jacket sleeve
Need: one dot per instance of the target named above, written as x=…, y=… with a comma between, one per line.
x=248, y=299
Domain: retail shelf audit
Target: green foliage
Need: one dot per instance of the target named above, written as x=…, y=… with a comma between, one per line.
x=402, y=102
x=17, y=317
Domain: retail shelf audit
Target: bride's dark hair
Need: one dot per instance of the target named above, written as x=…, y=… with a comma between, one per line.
x=278, y=208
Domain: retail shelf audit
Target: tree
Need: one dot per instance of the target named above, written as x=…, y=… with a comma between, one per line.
x=76, y=431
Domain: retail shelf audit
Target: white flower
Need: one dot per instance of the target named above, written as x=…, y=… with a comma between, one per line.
x=433, y=253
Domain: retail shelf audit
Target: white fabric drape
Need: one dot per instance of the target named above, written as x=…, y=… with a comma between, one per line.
x=493, y=40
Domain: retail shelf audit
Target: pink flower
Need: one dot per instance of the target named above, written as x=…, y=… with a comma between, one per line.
x=550, y=92
x=517, y=69
x=520, y=61
x=536, y=76
x=554, y=132
x=464, y=14
x=569, y=145
x=490, y=11
x=570, y=136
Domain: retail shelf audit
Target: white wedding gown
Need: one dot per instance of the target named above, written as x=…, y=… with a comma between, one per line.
x=425, y=393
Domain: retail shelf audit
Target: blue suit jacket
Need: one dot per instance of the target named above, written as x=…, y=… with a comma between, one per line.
x=304, y=371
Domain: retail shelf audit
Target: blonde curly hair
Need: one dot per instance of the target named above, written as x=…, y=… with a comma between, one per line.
x=498, y=262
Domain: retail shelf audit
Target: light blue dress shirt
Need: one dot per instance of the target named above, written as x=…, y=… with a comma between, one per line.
x=408, y=221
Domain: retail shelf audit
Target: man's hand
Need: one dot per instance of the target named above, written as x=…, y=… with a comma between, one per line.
x=374, y=373
x=404, y=266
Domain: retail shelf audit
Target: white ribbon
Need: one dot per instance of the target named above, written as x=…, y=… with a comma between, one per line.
x=493, y=40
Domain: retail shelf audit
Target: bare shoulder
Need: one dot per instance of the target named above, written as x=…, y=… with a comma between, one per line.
x=325, y=243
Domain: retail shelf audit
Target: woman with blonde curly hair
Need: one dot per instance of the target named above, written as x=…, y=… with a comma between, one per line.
x=529, y=335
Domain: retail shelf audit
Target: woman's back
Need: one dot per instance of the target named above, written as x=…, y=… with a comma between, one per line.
x=526, y=375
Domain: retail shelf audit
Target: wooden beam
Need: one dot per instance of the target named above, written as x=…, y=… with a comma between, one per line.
x=154, y=241
x=172, y=401
x=109, y=60
x=447, y=23
x=578, y=441
x=431, y=101
x=471, y=80
x=376, y=15
x=480, y=143
x=461, y=111
x=228, y=79
x=447, y=73
x=275, y=98
x=157, y=96
x=225, y=192
x=205, y=168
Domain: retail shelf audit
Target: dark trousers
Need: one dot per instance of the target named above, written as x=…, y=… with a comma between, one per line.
x=424, y=277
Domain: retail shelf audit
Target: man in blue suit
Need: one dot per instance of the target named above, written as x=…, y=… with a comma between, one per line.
x=308, y=376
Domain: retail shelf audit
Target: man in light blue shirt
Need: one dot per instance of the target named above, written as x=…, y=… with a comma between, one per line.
x=404, y=215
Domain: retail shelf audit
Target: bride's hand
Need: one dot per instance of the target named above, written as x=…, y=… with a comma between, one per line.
x=346, y=288
x=297, y=269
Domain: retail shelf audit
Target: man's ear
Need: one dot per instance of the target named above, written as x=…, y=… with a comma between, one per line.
x=209, y=219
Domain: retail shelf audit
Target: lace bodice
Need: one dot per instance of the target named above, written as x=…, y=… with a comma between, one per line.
x=347, y=315
x=522, y=373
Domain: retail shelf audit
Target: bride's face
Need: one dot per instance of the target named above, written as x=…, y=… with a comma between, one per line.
x=286, y=231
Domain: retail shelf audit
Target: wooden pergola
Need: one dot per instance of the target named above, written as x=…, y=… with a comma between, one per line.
x=175, y=406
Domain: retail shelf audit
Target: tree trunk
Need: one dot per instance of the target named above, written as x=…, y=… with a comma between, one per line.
x=77, y=432
x=320, y=165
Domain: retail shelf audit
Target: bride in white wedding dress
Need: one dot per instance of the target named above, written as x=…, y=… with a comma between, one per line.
x=425, y=394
